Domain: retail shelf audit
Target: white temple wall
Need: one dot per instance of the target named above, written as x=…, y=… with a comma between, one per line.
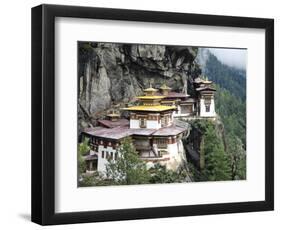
x=203, y=112
x=179, y=109
x=178, y=159
x=180, y=112
x=153, y=124
x=150, y=124
x=103, y=161
x=172, y=149
x=102, y=164
x=134, y=124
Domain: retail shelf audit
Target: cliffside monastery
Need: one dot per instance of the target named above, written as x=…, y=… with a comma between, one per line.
x=153, y=126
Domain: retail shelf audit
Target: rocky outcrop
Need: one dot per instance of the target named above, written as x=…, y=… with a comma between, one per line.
x=194, y=142
x=202, y=58
x=113, y=74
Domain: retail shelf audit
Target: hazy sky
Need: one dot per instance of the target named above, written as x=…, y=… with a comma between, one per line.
x=232, y=57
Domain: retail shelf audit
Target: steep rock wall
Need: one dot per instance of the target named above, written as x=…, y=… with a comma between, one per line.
x=111, y=74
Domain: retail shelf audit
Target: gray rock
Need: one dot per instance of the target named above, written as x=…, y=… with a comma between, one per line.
x=116, y=73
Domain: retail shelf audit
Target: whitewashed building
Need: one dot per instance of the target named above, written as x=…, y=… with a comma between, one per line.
x=205, y=98
x=151, y=126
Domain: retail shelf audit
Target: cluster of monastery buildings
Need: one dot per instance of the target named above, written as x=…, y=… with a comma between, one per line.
x=152, y=126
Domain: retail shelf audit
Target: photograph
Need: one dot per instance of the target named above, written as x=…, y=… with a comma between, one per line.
x=155, y=114
x=175, y=109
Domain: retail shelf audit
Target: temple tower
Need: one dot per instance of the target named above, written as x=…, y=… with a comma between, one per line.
x=150, y=114
x=206, y=102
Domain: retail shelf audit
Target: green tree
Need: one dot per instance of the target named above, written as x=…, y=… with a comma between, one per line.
x=229, y=78
x=94, y=180
x=202, y=153
x=83, y=149
x=87, y=180
x=217, y=166
x=237, y=156
x=232, y=111
x=128, y=168
x=160, y=174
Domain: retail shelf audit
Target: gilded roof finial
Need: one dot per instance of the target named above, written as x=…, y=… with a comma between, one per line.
x=150, y=90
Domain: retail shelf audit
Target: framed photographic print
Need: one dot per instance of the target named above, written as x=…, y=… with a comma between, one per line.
x=142, y=114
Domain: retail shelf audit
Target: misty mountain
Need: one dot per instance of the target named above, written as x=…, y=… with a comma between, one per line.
x=227, y=77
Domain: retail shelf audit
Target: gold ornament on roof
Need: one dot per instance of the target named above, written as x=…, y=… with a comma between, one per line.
x=150, y=91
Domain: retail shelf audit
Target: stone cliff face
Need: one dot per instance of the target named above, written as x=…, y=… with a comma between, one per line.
x=111, y=74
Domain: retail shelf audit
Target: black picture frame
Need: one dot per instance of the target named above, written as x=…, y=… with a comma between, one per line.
x=43, y=114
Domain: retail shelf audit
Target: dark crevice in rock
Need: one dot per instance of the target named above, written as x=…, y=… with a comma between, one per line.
x=116, y=73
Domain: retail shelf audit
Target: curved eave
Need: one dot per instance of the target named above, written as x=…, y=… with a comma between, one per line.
x=159, y=108
x=206, y=89
x=150, y=97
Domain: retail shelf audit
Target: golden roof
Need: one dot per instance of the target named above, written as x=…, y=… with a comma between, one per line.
x=154, y=108
x=150, y=89
x=113, y=114
x=202, y=80
x=164, y=86
x=151, y=97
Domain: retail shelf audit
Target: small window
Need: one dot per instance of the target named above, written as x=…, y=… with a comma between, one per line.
x=189, y=108
x=161, y=143
x=111, y=155
x=142, y=123
x=102, y=154
x=116, y=156
x=207, y=108
x=161, y=153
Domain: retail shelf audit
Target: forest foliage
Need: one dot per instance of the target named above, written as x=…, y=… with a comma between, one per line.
x=227, y=152
x=223, y=159
x=227, y=77
x=223, y=151
x=129, y=169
